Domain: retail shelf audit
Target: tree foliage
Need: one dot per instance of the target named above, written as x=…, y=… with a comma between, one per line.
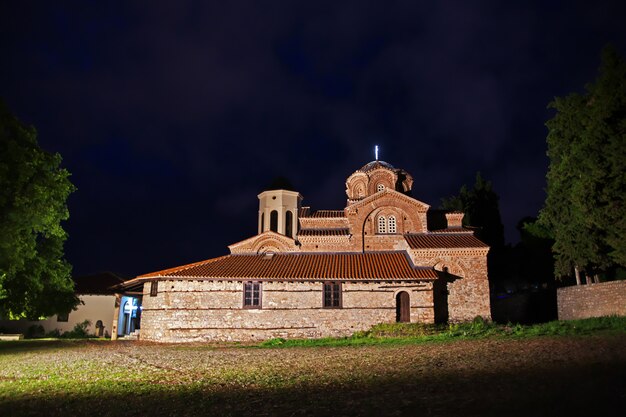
x=481, y=207
x=586, y=181
x=34, y=278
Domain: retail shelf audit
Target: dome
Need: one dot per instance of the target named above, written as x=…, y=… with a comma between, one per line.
x=376, y=164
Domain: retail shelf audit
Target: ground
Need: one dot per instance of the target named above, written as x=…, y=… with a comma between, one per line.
x=556, y=376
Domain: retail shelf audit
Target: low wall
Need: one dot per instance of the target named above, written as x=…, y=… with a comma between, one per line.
x=595, y=300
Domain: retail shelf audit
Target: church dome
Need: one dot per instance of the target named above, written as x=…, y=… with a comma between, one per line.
x=376, y=164
x=374, y=177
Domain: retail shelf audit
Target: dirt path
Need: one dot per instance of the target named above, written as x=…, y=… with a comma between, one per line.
x=571, y=376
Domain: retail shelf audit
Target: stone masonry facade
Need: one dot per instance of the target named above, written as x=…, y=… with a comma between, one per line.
x=594, y=300
x=389, y=256
x=212, y=310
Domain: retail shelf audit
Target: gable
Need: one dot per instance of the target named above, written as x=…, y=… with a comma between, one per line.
x=265, y=242
x=388, y=197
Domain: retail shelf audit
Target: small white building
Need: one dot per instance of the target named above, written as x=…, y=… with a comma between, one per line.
x=97, y=306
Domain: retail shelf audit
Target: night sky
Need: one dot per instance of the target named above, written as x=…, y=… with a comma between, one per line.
x=173, y=116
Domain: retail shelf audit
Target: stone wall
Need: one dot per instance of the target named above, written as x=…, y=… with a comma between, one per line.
x=595, y=300
x=186, y=310
x=468, y=286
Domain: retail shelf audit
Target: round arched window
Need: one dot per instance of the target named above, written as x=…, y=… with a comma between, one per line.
x=392, y=224
x=382, y=225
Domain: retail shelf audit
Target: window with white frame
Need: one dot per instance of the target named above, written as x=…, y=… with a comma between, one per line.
x=380, y=187
x=382, y=225
x=391, y=224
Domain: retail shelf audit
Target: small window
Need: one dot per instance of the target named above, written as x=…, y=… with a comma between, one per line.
x=392, y=224
x=262, y=222
x=63, y=317
x=274, y=221
x=382, y=225
x=289, y=224
x=154, y=288
x=332, y=295
x=380, y=187
x=252, y=294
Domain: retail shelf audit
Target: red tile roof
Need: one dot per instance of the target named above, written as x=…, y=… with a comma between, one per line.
x=306, y=212
x=444, y=240
x=296, y=266
x=324, y=232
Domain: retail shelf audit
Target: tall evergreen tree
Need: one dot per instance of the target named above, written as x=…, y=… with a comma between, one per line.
x=481, y=207
x=585, y=208
x=34, y=278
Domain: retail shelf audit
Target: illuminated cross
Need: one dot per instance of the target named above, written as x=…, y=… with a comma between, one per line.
x=376, y=151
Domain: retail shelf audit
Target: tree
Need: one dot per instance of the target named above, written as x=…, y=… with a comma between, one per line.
x=34, y=278
x=482, y=211
x=585, y=202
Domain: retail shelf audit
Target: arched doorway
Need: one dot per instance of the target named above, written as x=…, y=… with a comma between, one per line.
x=403, y=307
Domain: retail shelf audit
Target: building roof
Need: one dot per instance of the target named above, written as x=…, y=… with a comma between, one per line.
x=444, y=241
x=302, y=266
x=97, y=284
x=376, y=164
x=324, y=232
x=306, y=212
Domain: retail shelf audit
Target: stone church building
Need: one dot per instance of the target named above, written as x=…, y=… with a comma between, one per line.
x=386, y=257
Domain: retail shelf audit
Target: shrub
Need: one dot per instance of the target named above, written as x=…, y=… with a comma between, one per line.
x=36, y=330
x=53, y=333
x=79, y=331
x=278, y=341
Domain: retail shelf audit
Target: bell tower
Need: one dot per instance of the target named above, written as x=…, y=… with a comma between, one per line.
x=278, y=211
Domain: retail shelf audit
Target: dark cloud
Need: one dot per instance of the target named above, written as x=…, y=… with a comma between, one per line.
x=173, y=117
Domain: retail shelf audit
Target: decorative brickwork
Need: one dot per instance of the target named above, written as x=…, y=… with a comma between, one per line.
x=595, y=300
x=378, y=256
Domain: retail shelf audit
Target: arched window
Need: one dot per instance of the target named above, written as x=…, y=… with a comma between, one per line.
x=262, y=222
x=382, y=224
x=391, y=225
x=274, y=221
x=380, y=187
x=288, y=224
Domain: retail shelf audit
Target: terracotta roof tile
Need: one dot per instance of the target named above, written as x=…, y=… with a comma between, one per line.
x=323, y=213
x=294, y=266
x=444, y=240
x=324, y=232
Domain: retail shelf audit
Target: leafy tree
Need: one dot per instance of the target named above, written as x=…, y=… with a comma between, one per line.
x=482, y=211
x=585, y=202
x=34, y=278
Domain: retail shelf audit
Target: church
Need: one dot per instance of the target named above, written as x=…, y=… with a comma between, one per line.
x=386, y=257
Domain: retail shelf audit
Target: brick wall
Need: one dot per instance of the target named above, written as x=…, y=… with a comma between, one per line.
x=595, y=300
x=468, y=289
x=212, y=310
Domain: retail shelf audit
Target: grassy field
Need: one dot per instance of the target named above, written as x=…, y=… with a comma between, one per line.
x=402, y=370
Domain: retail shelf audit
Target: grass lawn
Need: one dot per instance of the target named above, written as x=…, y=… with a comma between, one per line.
x=509, y=374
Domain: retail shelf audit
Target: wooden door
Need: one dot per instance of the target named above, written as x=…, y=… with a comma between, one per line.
x=403, y=307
